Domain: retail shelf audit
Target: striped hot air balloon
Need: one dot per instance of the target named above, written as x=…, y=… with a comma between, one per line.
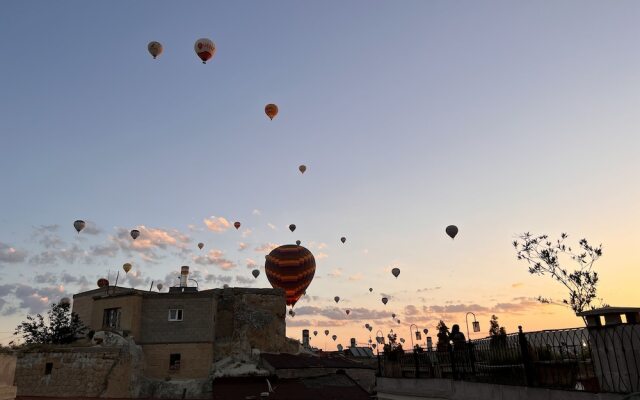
x=291, y=268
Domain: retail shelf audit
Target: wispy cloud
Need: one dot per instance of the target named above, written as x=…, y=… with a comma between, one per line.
x=17, y=297
x=215, y=257
x=246, y=233
x=256, y=212
x=251, y=263
x=265, y=247
x=217, y=224
x=335, y=273
x=10, y=254
x=517, y=285
x=429, y=289
x=272, y=226
x=356, y=277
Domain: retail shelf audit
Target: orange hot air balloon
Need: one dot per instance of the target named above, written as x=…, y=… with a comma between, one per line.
x=271, y=110
x=291, y=268
x=205, y=49
x=237, y=224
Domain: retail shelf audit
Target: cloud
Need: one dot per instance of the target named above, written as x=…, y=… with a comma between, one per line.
x=215, y=257
x=336, y=273
x=356, y=277
x=91, y=228
x=338, y=314
x=256, y=212
x=517, y=285
x=218, y=224
x=411, y=310
x=242, y=246
x=246, y=233
x=69, y=255
x=245, y=280
x=265, y=247
x=109, y=249
x=251, y=263
x=10, y=254
x=321, y=255
x=272, y=226
x=32, y=299
x=210, y=278
x=429, y=289
x=150, y=240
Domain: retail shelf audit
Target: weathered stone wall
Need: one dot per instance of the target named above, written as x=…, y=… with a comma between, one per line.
x=7, y=371
x=131, y=311
x=249, y=319
x=195, y=360
x=76, y=372
x=198, y=318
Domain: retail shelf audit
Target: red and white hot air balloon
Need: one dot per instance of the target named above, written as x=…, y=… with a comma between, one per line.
x=205, y=49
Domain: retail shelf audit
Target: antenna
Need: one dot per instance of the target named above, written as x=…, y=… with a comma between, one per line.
x=151, y=287
x=116, y=284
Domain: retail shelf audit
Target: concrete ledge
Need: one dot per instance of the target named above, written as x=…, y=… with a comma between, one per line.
x=8, y=392
x=401, y=389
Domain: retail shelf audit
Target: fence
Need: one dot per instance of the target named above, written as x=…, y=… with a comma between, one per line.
x=605, y=359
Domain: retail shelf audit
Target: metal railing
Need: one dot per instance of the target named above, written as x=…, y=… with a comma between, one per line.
x=603, y=359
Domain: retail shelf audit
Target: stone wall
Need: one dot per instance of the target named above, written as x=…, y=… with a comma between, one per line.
x=76, y=372
x=195, y=360
x=131, y=311
x=7, y=371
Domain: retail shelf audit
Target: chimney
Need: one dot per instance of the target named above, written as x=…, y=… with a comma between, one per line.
x=184, y=274
x=305, y=338
x=353, y=342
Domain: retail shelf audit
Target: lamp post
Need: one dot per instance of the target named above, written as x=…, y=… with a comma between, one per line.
x=476, y=324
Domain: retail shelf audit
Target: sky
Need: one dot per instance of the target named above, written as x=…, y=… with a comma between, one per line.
x=499, y=117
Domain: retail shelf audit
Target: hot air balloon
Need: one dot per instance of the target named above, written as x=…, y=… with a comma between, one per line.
x=292, y=227
x=298, y=242
x=271, y=110
x=155, y=49
x=370, y=328
x=237, y=225
x=79, y=225
x=135, y=233
x=402, y=340
x=384, y=300
x=425, y=330
x=326, y=332
x=302, y=168
x=393, y=315
x=343, y=239
x=292, y=313
x=126, y=267
x=291, y=268
x=334, y=337
x=159, y=286
x=395, y=272
x=373, y=346
x=102, y=282
x=348, y=312
x=205, y=49
x=452, y=231
x=370, y=289
x=200, y=245
x=336, y=299
x=315, y=333
x=255, y=273
x=398, y=321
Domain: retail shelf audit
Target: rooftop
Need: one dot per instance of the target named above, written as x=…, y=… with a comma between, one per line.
x=296, y=361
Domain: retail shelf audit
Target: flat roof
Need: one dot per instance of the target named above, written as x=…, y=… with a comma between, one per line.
x=609, y=310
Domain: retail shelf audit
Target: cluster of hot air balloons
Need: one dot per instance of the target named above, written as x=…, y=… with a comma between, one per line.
x=204, y=48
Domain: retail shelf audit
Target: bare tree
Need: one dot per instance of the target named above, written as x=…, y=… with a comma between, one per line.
x=543, y=257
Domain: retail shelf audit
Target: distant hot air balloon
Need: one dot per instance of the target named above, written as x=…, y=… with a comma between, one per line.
x=292, y=313
x=135, y=233
x=79, y=225
x=370, y=289
x=298, y=242
x=373, y=346
x=393, y=315
x=126, y=267
x=255, y=273
x=425, y=330
x=398, y=321
x=348, y=312
x=370, y=328
x=402, y=340
x=200, y=245
x=237, y=225
x=315, y=333
x=326, y=332
x=384, y=300
x=292, y=227
x=290, y=267
x=336, y=299
x=366, y=326
x=302, y=168
x=271, y=110
x=452, y=231
x=155, y=49
x=102, y=282
x=343, y=239
x=159, y=286
x=334, y=337
x=395, y=272
x=205, y=49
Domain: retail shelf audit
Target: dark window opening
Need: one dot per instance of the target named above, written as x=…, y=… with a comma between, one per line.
x=48, y=367
x=174, y=361
x=175, y=314
x=111, y=318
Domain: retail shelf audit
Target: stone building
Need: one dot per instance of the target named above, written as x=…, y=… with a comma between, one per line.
x=146, y=343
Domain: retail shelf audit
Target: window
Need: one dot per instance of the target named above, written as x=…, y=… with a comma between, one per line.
x=47, y=368
x=175, y=314
x=111, y=318
x=174, y=361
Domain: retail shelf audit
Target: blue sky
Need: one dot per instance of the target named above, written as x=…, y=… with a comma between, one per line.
x=500, y=117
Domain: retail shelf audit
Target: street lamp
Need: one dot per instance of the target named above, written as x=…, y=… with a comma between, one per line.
x=476, y=324
x=417, y=333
